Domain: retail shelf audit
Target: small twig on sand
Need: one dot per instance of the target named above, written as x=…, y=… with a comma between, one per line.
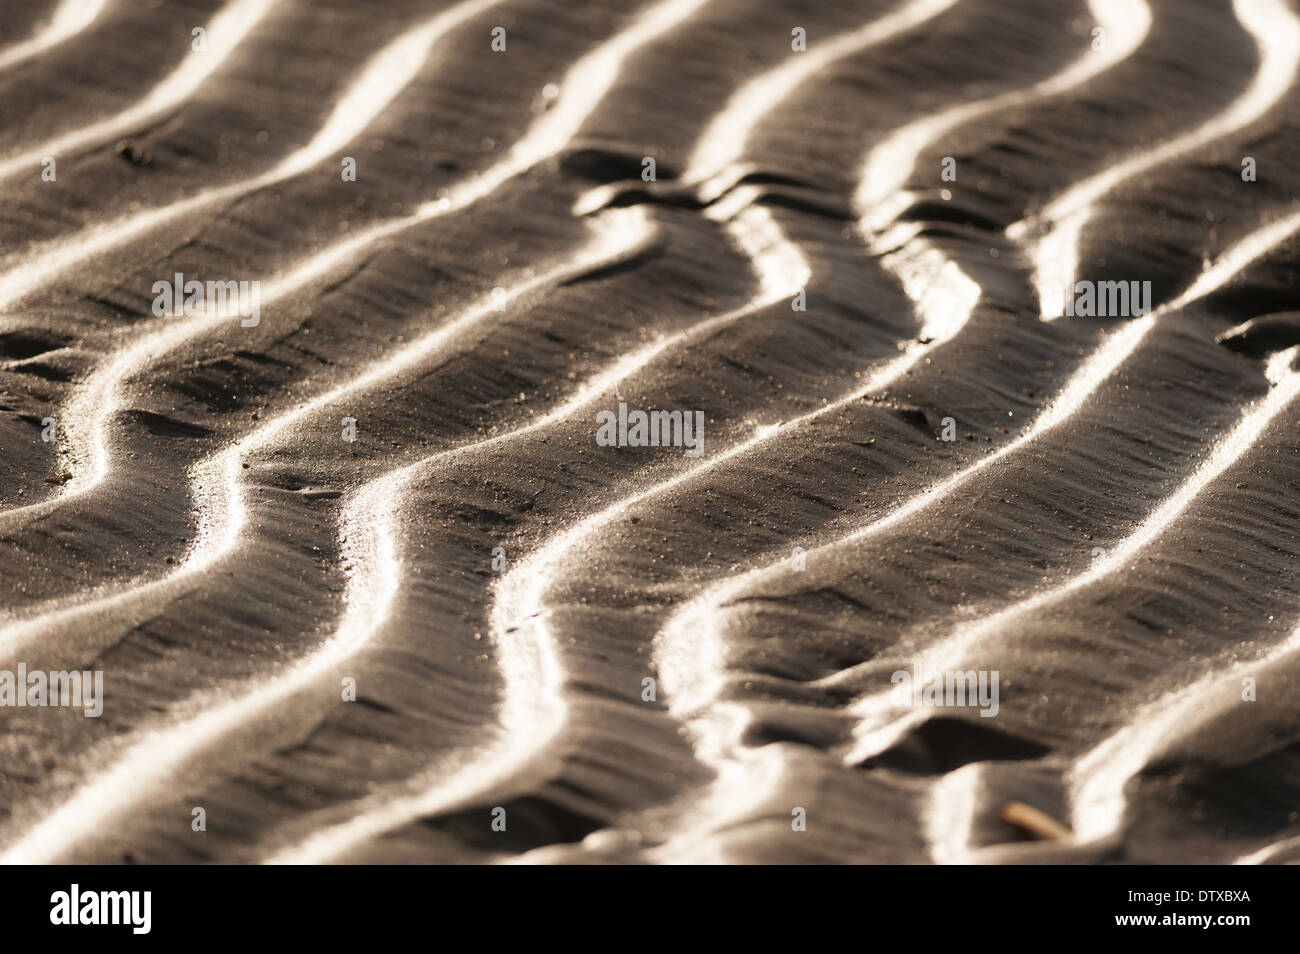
x=1034, y=822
